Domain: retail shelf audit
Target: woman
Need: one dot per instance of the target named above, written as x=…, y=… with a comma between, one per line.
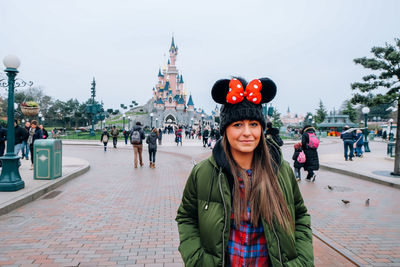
x=105, y=136
x=45, y=133
x=312, y=161
x=34, y=133
x=242, y=206
x=151, y=140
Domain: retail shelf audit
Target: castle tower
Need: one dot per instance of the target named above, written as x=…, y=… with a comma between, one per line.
x=172, y=71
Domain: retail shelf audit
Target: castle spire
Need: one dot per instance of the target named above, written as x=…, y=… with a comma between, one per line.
x=173, y=47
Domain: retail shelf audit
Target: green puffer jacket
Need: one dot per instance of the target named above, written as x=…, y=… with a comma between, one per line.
x=204, y=217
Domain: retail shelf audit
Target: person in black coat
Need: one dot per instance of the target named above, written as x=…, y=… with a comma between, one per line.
x=348, y=136
x=273, y=133
x=105, y=136
x=297, y=165
x=18, y=133
x=35, y=133
x=312, y=161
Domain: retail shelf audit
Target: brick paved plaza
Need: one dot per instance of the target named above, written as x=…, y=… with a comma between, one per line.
x=115, y=215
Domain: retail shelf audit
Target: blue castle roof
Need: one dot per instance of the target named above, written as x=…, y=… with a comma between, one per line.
x=190, y=102
x=160, y=101
x=181, y=101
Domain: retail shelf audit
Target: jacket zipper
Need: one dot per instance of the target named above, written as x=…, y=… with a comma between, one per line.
x=279, y=245
x=223, y=232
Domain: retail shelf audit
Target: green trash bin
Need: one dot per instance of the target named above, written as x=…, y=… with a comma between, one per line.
x=47, y=159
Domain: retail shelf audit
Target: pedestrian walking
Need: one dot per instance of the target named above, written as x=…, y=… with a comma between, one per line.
x=105, y=136
x=178, y=136
x=151, y=140
x=348, y=136
x=298, y=160
x=160, y=134
x=359, y=143
x=18, y=134
x=35, y=133
x=242, y=206
x=205, y=135
x=3, y=138
x=309, y=144
x=126, y=136
x=114, y=134
x=273, y=134
x=25, y=136
x=137, y=136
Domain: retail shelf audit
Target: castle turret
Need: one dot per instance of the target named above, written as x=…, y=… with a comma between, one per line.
x=190, y=104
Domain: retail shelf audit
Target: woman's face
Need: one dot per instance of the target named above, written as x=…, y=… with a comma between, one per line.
x=244, y=136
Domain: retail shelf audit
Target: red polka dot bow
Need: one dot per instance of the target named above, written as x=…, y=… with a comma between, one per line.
x=236, y=92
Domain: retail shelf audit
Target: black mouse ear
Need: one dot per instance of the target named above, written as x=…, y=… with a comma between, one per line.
x=219, y=91
x=268, y=90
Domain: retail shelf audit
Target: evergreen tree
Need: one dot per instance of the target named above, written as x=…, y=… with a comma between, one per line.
x=276, y=119
x=321, y=113
x=350, y=110
x=385, y=78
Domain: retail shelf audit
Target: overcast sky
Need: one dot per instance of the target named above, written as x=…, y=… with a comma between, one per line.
x=306, y=47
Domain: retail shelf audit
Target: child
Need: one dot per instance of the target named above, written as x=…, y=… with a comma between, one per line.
x=297, y=165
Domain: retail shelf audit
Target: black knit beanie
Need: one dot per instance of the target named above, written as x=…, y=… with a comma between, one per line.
x=236, y=110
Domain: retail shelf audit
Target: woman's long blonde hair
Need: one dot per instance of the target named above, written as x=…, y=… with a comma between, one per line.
x=263, y=194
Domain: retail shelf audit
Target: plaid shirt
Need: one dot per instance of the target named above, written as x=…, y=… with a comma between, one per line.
x=247, y=244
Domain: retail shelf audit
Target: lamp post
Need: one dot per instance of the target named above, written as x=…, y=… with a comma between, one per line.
x=365, y=111
x=310, y=119
x=40, y=118
x=104, y=123
x=191, y=121
x=390, y=131
x=10, y=179
x=129, y=122
x=151, y=120
x=156, y=122
x=123, y=121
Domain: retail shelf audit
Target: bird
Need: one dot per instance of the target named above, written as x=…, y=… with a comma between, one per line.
x=367, y=202
x=345, y=201
x=330, y=187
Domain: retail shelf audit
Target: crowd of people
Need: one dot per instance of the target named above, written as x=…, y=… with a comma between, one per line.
x=25, y=138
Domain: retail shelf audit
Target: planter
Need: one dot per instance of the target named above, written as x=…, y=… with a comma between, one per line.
x=30, y=111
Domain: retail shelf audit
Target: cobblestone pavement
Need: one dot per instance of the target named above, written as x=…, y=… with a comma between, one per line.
x=369, y=234
x=117, y=215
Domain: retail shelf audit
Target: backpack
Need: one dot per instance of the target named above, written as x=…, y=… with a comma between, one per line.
x=313, y=141
x=301, y=158
x=135, y=138
x=105, y=138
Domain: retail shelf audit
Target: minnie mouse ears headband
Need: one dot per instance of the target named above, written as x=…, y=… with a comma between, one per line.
x=258, y=91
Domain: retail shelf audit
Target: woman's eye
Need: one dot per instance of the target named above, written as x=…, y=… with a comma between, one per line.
x=237, y=125
x=254, y=124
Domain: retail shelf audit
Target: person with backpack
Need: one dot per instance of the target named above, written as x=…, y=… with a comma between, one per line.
x=359, y=143
x=273, y=134
x=348, y=136
x=309, y=144
x=242, y=206
x=151, y=140
x=178, y=136
x=105, y=136
x=137, y=136
x=205, y=136
x=126, y=135
x=299, y=158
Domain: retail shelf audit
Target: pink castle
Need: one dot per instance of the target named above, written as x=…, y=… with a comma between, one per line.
x=169, y=98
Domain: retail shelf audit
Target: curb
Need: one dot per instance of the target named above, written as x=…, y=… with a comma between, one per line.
x=359, y=176
x=38, y=192
x=342, y=251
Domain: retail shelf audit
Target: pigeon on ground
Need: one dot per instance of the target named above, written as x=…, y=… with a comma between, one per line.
x=330, y=187
x=367, y=202
x=345, y=201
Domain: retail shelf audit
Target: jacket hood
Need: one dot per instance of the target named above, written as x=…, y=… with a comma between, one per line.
x=309, y=129
x=137, y=128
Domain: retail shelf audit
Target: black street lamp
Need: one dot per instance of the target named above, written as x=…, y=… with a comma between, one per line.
x=129, y=122
x=365, y=111
x=10, y=179
x=390, y=131
x=156, y=122
x=151, y=120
